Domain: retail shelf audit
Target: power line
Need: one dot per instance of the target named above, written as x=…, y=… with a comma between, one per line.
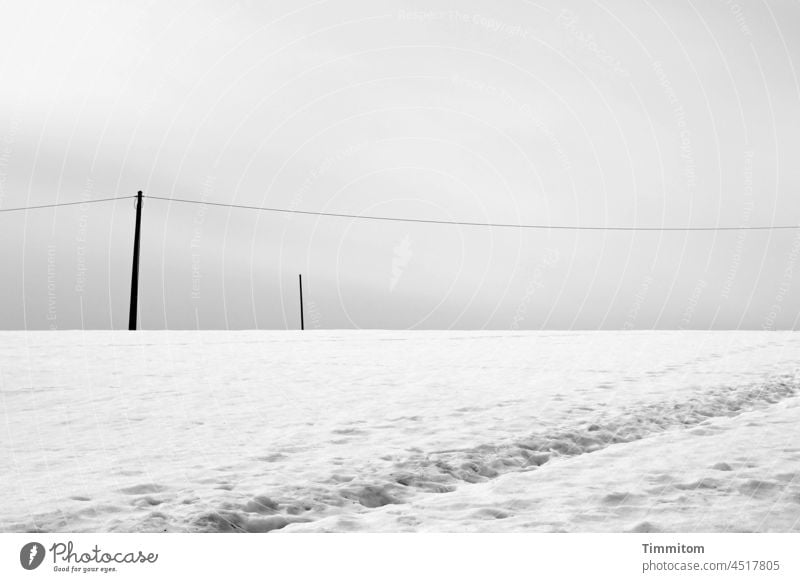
x=424, y=220
x=484, y=224
x=55, y=204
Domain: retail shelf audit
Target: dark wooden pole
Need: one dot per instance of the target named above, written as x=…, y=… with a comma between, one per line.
x=302, y=323
x=135, y=270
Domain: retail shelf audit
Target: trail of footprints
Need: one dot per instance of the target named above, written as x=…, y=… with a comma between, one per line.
x=443, y=471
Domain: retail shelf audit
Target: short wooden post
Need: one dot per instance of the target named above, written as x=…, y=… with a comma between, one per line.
x=302, y=323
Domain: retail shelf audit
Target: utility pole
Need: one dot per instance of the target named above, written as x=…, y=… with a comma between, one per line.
x=135, y=270
x=302, y=323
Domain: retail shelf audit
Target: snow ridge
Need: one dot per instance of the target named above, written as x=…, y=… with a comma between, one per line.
x=442, y=471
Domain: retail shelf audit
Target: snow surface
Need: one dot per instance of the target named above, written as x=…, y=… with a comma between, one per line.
x=400, y=431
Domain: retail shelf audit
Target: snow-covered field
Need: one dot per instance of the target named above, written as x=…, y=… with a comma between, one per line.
x=400, y=431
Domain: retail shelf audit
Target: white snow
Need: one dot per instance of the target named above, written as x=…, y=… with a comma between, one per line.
x=400, y=431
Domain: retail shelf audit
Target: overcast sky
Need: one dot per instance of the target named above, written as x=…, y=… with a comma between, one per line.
x=618, y=113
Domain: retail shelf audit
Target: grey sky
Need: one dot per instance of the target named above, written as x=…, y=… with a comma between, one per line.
x=577, y=113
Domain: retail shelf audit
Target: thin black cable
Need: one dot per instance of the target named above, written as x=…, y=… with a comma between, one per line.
x=485, y=224
x=55, y=204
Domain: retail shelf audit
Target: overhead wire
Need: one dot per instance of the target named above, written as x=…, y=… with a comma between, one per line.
x=57, y=204
x=423, y=220
x=477, y=224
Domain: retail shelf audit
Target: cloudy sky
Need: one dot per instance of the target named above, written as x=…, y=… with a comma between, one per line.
x=612, y=113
